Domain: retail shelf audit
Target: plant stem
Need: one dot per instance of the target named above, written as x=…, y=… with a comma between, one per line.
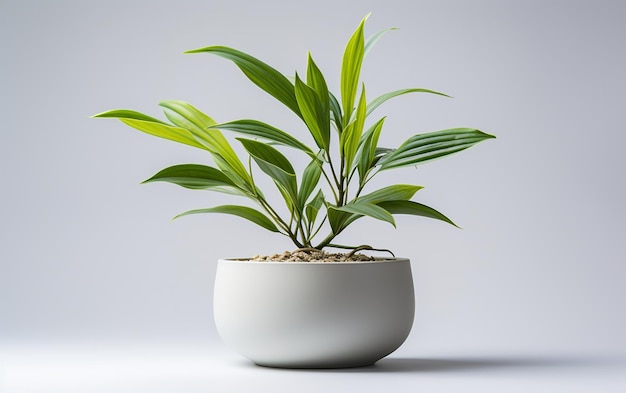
x=330, y=184
x=301, y=229
x=316, y=231
x=273, y=214
x=342, y=191
x=362, y=185
x=268, y=209
x=328, y=239
x=332, y=169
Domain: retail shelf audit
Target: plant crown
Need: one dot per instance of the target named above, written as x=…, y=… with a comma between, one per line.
x=329, y=194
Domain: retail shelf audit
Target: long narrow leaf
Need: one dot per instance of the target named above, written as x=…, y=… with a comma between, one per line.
x=335, y=110
x=422, y=148
x=396, y=192
x=152, y=126
x=315, y=115
x=415, y=209
x=262, y=130
x=129, y=114
x=373, y=39
x=165, y=131
x=368, y=209
x=242, y=211
x=367, y=149
x=378, y=101
x=187, y=116
x=310, y=179
x=351, y=138
x=261, y=74
x=275, y=165
x=193, y=176
x=312, y=208
x=351, y=70
x=339, y=219
x=316, y=80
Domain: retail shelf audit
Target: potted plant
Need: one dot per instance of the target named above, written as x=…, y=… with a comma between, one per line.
x=308, y=308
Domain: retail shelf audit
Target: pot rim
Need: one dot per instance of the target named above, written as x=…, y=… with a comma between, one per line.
x=308, y=263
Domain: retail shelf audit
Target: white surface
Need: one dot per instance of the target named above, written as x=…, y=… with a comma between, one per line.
x=212, y=368
x=87, y=253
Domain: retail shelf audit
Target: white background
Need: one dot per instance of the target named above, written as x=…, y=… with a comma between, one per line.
x=101, y=291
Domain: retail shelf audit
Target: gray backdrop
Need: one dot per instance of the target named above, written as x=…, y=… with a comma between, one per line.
x=88, y=254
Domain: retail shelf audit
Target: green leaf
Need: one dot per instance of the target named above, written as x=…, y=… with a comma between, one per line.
x=372, y=40
x=352, y=136
x=193, y=176
x=267, y=153
x=345, y=140
x=312, y=208
x=128, y=114
x=378, y=101
x=242, y=211
x=316, y=80
x=395, y=192
x=381, y=151
x=261, y=74
x=155, y=127
x=187, y=116
x=367, y=149
x=225, y=166
x=274, y=164
x=369, y=205
x=351, y=70
x=315, y=116
x=414, y=208
x=265, y=131
x=422, y=148
x=335, y=110
x=188, y=131
x=339, y=219
x=310, y=179
x=368, y=209
x=226, y=158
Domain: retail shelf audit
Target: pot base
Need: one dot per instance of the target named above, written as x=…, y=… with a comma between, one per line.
x=326, y=366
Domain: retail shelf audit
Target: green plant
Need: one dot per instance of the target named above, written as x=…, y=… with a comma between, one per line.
x=329, y=194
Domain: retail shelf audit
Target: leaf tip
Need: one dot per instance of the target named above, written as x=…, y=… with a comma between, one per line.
x=486, y=135
x=101, y=114
x=199, y=50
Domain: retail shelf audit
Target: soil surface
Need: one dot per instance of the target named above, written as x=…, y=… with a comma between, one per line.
x=313, y=255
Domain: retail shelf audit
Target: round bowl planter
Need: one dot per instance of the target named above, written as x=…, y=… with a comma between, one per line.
x=314, y=314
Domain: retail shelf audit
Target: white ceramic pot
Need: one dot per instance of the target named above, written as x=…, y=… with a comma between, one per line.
x=314, y=314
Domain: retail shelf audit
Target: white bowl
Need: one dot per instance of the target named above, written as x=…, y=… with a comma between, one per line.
x=314, y=314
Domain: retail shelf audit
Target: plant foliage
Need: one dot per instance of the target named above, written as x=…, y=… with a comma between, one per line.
x=331, y=192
